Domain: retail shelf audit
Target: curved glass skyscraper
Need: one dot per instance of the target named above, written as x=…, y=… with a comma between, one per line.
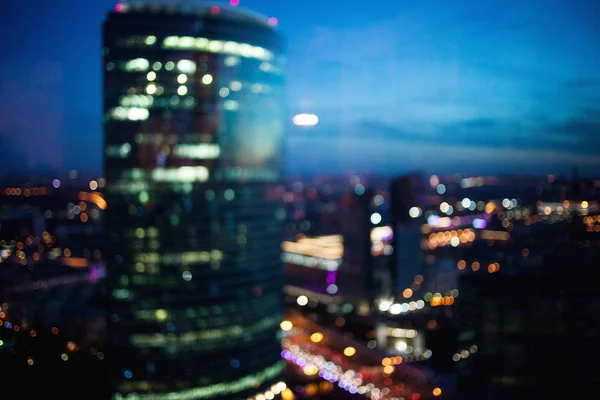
x=193, y=131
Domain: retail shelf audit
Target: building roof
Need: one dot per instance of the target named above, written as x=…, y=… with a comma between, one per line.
x=195, y=7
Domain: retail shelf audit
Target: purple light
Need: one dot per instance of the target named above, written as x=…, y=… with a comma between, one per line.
x=234, y=2
x=56, y=183
x=433, y=219
x=273, y=21
x=331, y=277
x=479, y=223
x=119, y=7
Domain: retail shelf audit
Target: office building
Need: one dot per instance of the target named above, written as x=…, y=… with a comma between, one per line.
x=193, y=132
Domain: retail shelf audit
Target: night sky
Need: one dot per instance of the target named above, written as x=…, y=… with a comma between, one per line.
x=446, y=85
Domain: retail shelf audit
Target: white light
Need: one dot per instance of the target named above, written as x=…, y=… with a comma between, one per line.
x=181, y=79
x=187, y=66
x=384, y=306
x=150, y=40
x=414, y=212
x=138, y=64
x=137, y=114
x=182, y=90
x=281, y=386
x=151, y=76
x=444, y=207
x=231, y=61
x=396, y=309
x=420, y=304
x=441, y=188
x=375, y=218
x=332, y=289
x=257, y=88
x=186, y=275
x=204, y=151
x=455, y=241
x=236, y=86
x=265, y=66
x=466, y=202
x=306, y=120
x=151, y=88
x=231, y=105
x=401, y=345
x=302, y=300
x=181, y=174
x=207, y=79
x=224, y=92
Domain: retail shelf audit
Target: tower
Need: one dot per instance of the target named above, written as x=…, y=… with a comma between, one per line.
x=192, y=138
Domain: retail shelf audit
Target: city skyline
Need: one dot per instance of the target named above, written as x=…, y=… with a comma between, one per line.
x=497, y=89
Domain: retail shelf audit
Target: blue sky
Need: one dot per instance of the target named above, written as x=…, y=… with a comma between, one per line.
x=445, y=85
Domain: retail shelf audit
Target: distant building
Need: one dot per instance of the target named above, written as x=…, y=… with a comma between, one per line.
x=534, y=324
x=193, y=103
x=352, y=265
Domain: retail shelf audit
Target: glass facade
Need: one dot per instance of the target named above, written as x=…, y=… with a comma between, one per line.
x=193, y=129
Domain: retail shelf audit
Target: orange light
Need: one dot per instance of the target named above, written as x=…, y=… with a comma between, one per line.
x=461, y=265
x=316, y=337
x=407, y=293
x=435, y=301
x=286, y=325
x=67, y=252
x=287, y=394
x=437, y=391
x=388, y=370
x=83, y=217
x=349, y=351
x=386, y=361
x=55, y=330
x=475, y=266
x=310, y=369
x=75, y=262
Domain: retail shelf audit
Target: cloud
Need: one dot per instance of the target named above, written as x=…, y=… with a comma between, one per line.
x=582, y=83
x=398, y=155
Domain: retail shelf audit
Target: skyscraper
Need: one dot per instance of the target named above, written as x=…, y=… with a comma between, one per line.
x=193, y=132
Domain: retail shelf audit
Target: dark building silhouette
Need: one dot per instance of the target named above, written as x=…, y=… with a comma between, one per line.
x=193, y=132
x=534, y=325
